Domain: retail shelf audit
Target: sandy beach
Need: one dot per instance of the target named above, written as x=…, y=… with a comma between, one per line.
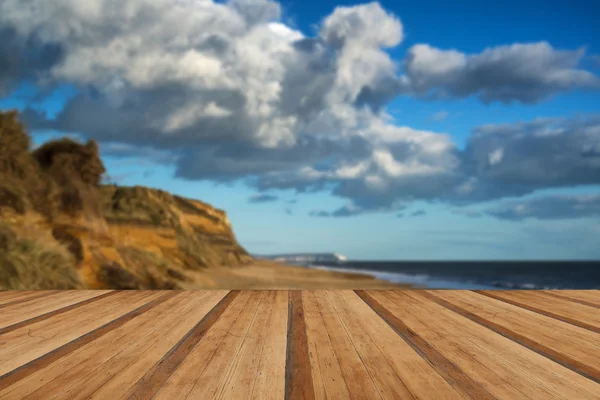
x=271, y=275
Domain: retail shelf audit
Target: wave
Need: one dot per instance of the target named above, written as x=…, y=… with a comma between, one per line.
x=431, y=282
x=418, y=280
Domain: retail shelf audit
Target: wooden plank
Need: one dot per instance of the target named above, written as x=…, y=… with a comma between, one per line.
x=446, y=368
x=148, y=385
x=30, y=313
x=561, y=309
x=588, y=297
x=270, y=381
x=8, y=295
x=440, y=339
x=309, y=344
x=205, y=363
x=23, y=345
x=396, y=369
x=119, y=385
x=51, y=365
x=214, y=378
x=299, y=381
x=327, y=375
x=16, y=297
x=359, y=382
x=573, y=347
x=243, y=373
x=143, y=350
x=53, y=378
x=505, y=368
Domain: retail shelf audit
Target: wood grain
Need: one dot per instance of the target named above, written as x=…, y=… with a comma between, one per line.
x=147, y=386
x=580, y=315
x=215, y=376
x=298, y=376
x=200, y=358
x=359, y=382
x=553, y=339
x=242, y=374
x=329, y=382
x=89, y=366
x=407, y=344
x=446, y=368
x=20, y=374
x=21, y=315
x=10, y=299
x=23, y=345
x=396, y=369
x=585, y=297
x=270, y=380
x=505, y=368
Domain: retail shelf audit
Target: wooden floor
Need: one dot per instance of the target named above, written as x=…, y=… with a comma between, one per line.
x=300, y=345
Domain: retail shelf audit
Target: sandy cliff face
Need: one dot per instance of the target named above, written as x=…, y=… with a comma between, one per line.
x=155, y=228
x=59, y=228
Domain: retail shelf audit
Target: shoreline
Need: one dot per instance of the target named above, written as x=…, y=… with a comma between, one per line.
x=271, y=275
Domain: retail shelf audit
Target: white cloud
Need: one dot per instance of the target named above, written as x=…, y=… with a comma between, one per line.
x=232, y=92
x=528, y=72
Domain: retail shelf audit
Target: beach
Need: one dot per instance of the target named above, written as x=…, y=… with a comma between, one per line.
x=270, y=275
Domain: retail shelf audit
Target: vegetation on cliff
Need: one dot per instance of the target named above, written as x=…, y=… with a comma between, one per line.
x=60, y=228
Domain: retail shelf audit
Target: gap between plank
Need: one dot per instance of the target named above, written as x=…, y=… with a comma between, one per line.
x=29, y=298
x=54, y=313
x=567, y=297
x=39, y=363
x=540, y=311
x=298, y=376
x=562, y=359
x=446, y=368
x=148, y=385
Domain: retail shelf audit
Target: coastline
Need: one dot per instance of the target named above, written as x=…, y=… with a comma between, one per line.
x=271, y=275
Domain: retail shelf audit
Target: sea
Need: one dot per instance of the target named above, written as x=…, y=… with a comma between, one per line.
x=480, y=275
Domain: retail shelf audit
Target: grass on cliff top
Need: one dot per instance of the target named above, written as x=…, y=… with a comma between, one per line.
x=30, y=259
x=59, y=176
x=138, y=205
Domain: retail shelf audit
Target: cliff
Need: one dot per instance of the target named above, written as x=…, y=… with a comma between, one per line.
x=61, y=229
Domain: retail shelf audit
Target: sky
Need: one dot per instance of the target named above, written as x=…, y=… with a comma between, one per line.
x=388, y=130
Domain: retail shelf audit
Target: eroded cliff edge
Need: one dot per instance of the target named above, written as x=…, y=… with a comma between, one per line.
x=60, y=228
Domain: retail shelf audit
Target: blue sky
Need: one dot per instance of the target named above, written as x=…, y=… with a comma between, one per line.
x=388, y=230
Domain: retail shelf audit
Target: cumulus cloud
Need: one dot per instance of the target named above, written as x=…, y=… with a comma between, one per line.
x=190, y=72
x=225, y=91
x=524, y=72
x=397, y=164
x=499, y=161
x=262, y=198
x=516, y=159
x=549, y=207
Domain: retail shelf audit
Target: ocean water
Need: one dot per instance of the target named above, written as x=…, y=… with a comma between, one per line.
x=475, y=275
